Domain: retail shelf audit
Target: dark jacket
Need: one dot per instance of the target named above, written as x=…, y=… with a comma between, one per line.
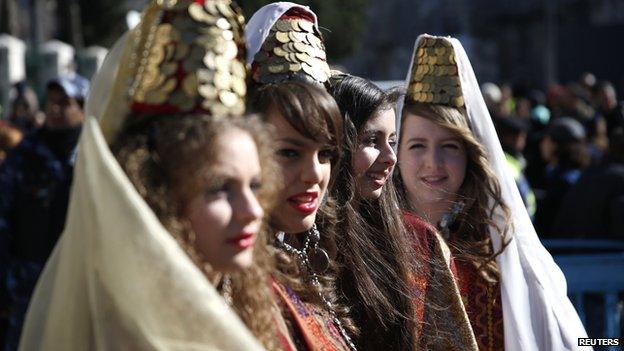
x=594, y=206
x=35, y=180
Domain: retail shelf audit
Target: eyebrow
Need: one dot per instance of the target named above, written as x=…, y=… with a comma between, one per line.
x=293, y=141
x=376, y=131
x=441, y=140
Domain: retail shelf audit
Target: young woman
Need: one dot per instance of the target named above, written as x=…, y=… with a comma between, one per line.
x=167, y=206
x=373, y=247
x=454, y=177
x=308, y=127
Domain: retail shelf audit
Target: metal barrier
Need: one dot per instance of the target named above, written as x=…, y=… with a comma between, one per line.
x=594, y=270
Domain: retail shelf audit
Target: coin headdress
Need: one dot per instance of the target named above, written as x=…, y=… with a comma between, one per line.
x=289, y=48
x=434, y=76
x=186, y=56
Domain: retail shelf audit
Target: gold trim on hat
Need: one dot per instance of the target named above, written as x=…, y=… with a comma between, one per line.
x=434, y=77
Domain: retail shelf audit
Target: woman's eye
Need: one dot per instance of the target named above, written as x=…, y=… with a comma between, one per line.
x=288, y=153
x=217, y=190
x=370, y=140
x=451, y=146
x=392, y=143
x=256, y=186
x=326, y=155
x=417, y=146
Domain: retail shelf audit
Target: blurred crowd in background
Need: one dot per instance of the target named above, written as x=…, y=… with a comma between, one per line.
x=565, y=146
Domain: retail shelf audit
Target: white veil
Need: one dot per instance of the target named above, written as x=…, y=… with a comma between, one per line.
x=537, y=312
x=260, y=24
x=117, y=280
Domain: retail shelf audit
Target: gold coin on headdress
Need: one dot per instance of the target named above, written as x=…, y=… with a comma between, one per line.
x=169, y=52
x=426, y=87
x=223, y=23
x=429, y=97
x=222, y=80
x=231, y=50
x=150, y=76
x=283, y=26
x=436, y=98
x=306, y=26
x=222, y=63
x=205, y=76
x=420, y=69
x=156, y=55
x=227, y=35
x=228, y=98
x=189, y=85
x=440, y=50
x=207, y=91
x=300, y=47
x=282, y=37
x=196, y=11
x=297, y=36
x=452, y=58
x=211, y=8
x=279, y=51
x=169, y=68
x=217, y=109
x=295, y=25
x=294, y=67
x=238, y=108
x=458, y=101
x=303, y=57
x=238, y=69
x=418, y=87
x=169, y=85
x=239, y=86
x=314, y=41
x=307, y=68
x=291, y=57
x=224, y=9
x=452, y=70
x=438, y=71
x=420, y=52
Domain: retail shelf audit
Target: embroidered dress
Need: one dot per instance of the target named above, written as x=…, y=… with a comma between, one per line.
x=310, y=327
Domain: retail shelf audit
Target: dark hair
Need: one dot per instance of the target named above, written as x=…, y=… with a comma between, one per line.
x=314, y=114
x=373, y=249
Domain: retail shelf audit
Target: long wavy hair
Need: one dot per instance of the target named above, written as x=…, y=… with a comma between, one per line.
x=374, y=252
x=163, y=157
x=480, y=192
x=311, y=111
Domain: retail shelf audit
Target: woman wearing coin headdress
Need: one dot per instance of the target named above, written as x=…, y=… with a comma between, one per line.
x=166, y=202
x=308, y=129
x=454, y=177
x=373, y=247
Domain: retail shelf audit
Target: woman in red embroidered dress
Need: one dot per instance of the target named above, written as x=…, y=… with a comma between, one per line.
x=448, y=184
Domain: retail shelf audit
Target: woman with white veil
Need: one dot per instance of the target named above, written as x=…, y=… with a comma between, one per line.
x=164, y=208
x=504, y=286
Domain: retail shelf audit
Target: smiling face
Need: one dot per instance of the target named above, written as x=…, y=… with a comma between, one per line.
x=374, y=158
x=305, y=166
x=226, y=217
x=432, y=164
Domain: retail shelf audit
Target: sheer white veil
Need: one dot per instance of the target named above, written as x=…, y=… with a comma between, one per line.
x=117, y=280
x=537, y=312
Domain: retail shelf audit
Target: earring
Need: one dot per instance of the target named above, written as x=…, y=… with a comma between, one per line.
x=319, y=259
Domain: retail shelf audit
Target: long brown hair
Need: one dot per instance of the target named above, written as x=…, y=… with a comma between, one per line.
x=374, y=252
x=163, y=156
x=480, y=192
x=314, y=114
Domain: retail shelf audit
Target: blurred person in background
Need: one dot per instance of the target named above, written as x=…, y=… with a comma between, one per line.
x=512, y=133
x=492, y=95
x=24, y=112
x=10, y=136
x=594, y=206
x=607, y=104
x=35, y=180
x=564, y=149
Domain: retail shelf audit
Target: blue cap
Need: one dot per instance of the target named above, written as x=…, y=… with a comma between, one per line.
x=75, y=85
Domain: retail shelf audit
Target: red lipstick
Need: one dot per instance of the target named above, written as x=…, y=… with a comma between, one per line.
x=243, y=240
x=306, y=202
